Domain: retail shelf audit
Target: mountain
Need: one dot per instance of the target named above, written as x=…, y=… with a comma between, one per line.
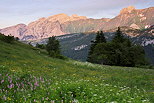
x=42, y=28
x=17, y=31
x=63, y=24
x=135, y=18
x=76, y=45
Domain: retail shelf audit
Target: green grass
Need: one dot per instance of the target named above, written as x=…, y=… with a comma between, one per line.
x=28, y=75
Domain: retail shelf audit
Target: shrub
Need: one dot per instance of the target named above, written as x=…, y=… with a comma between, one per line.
x=8, y=39
x=41, y=46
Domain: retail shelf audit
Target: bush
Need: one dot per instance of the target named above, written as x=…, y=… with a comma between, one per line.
x=8, y=39
x=151, y=67
x=41, y=46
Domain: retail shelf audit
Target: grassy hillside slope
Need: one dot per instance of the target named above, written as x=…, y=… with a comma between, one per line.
x=28, y=74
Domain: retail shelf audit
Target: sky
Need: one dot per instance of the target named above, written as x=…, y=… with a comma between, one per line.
x=14, y=12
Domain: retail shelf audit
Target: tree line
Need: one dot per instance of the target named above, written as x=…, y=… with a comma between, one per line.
x=119, y=52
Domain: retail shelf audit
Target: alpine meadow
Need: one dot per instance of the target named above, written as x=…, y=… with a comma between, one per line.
x=102, y=57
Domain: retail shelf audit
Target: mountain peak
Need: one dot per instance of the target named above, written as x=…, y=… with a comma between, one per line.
x=60, y=15
x=64, y=18
x=74, y=15
x=127, y=10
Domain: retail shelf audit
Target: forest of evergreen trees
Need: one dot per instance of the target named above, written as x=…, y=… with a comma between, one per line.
x=120, y=51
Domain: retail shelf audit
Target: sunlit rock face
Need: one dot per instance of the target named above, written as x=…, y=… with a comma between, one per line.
x=17, y=30
x=129, y=9
x=136, y=18
x=134, y=26
x=51, y=26
x=42, y=28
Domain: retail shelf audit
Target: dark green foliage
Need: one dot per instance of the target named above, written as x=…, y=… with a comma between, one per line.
x=139, y=55
x=53, y=47
x=41, y=46
x=1, y=36
x=102, y=38
x=8, y=39
x=119, y=38
x=150, y=67
x=99, y=39
x=120, y=52
x=98, y=54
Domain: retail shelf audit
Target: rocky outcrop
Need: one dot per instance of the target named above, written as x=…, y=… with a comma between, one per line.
x=129, y=9
x=134, y=26
x=17, y=30
x=130, y=15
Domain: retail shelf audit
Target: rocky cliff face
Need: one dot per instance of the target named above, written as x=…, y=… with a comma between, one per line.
x=132, y=17
x=42, y=28
x=17, y=30
x=63, y=24
x=129, y=9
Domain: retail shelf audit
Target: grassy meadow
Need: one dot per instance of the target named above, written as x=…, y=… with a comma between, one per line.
x=29, y=75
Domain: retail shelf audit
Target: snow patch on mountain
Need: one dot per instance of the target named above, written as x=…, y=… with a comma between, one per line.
x=79, y=47
x=147, y=42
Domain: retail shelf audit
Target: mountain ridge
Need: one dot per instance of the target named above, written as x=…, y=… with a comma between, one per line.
x=61, y=24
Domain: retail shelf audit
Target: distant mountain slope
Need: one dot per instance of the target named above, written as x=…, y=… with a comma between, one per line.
x=63, y=24
x=17, y=31
x=76, y=45
x=85, y=25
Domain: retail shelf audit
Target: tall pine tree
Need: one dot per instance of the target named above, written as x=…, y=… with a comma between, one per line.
x=53, y=47
x=102, y=38
x=118, y=38
x=99, y=39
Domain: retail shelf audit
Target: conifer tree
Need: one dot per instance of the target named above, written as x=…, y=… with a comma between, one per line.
x=118, y=38
x=53, y=47
x=99, y=39
x=102, y=37
x=120, y=51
